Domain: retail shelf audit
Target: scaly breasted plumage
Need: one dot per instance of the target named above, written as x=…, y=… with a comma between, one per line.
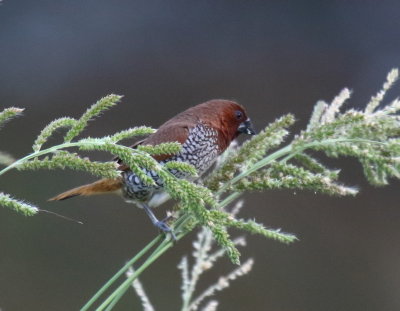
x=205, y=131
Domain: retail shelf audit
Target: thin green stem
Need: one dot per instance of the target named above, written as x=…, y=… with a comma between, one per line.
x=229, y=199
x=55, y=148
x=115, y=301
x=162, y=248
x=43, y=152
x=120, y=272
x=126, y=284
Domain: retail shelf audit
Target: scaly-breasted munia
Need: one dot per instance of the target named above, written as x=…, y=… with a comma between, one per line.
x=204, y=131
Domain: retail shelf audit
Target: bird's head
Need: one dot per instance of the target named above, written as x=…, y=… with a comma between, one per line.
x=228, y=117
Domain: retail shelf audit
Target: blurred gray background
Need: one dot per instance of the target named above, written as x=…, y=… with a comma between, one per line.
x=274, y=57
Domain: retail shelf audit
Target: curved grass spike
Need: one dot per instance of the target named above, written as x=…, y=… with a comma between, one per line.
x=251, y=151
x=164, y=148
x=96, y=109
x=131, y=132
x=48, y=131
x=19, y=206
x=64, y=159
x=9, y=113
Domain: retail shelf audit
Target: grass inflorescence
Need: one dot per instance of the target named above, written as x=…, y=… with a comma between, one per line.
x=372, y=136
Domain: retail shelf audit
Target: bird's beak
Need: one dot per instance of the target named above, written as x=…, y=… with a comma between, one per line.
x=246, y=127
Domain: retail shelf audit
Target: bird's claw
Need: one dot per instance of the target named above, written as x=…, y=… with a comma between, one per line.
x=166, y=229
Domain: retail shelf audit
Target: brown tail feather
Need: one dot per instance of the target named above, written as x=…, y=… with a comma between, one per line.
x=98, y=187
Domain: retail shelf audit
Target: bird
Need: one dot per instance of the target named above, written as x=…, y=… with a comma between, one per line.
x=205, y=131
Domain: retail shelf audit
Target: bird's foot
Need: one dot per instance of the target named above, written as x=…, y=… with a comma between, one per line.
x=166, y=229
x=162, y=225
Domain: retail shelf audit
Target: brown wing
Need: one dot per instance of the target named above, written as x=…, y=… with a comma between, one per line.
x=169, y=132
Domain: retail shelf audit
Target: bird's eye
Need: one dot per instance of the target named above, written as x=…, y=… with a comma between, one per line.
x=238, y=114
